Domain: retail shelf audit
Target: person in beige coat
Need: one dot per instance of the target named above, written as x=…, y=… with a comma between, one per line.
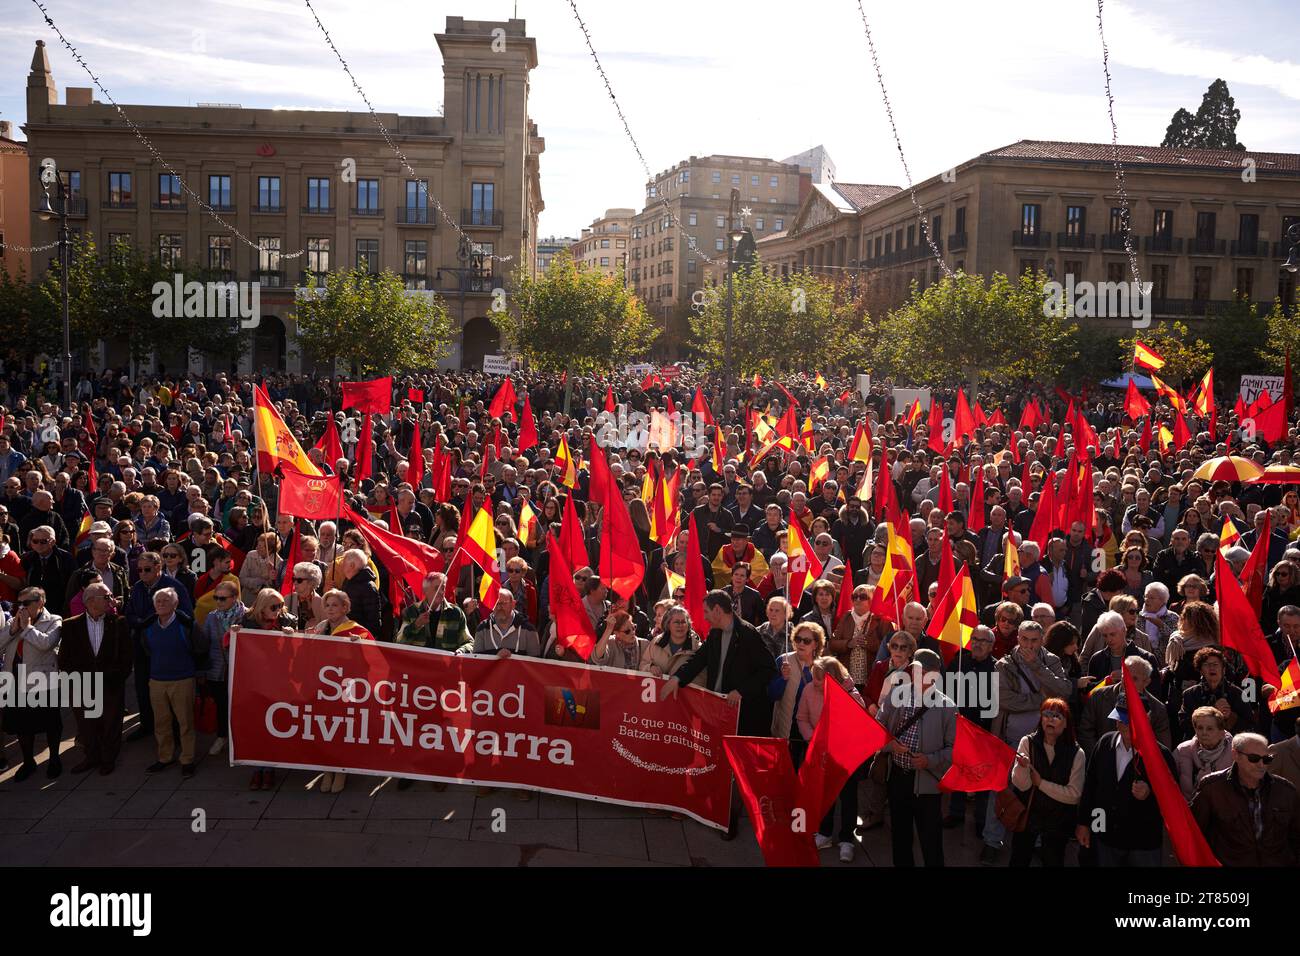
x=1209, y=751
x=665, y=653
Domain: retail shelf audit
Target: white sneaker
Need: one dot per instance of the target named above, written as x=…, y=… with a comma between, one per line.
x=218, y=746
x=846, y=852
x=824, y=842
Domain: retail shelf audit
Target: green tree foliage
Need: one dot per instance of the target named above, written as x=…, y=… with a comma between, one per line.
x=1238, y=336
x=28, y=325
x=1186, y=358
x=1213, y=127
x=578, y=320
x=963, y=329
x=1096, y=354
x=372, y=324
x=1283, y=337
x=801, y=321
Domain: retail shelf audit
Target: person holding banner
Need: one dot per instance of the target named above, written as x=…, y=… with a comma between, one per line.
x=667, y=652
x=337, y=622
x=433, y=621
x=506, y=631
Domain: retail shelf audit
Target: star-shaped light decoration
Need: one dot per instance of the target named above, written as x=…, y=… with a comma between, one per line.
x=746, y=212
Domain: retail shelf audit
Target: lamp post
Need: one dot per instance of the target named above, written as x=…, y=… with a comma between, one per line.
x=1292, y=263
x=48, y=213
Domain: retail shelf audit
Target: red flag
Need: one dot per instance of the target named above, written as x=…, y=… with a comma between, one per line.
x=963, y=421
x=459, y=558
x=375, y=396
x=770, y=791
x=997, y=419
x=1188, y=841
x=1144, y=440
x=885, y=498
x=415, y=459
x=947, y=568
x=649, y=381
x=975, y=521
x=307, y=496
x=845, y=602
x=527, y=427
x=935, y=427
x=1239, y=624
x=573, y=626
x=504, y=400
x=440, y=474
x=610, y=405
x=786, y=392
x=415, y=396
x=622, y=565
x=696, y=586
x=1045, y=514
x=331, y=448
x=1182, y=435
x=1253, y=575
x=226, y=436
x=980, y=760
x=406, y=559
x=700, y=407
x=572, y=539
x=844, y=738
x=365, y=448
x=981, y=420
x=1028, y=416
x=295, y=555
x=1270, y=424
x=670, y=408
x=945, y=490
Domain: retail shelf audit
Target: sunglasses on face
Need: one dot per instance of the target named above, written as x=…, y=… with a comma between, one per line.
x=899, y=647
x=1257, y=758
x=301, y=580
x=277, y=608
x=803, y=640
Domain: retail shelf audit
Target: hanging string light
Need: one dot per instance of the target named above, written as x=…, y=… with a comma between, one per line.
x=1114, y=147
x=383, y=130
x=898, y=143
x=627, y=129
x=144, y=140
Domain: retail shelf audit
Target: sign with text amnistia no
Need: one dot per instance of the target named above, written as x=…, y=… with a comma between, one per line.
x=329, y=703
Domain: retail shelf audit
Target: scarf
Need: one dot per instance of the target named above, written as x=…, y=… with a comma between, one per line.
x=859, y=661
x=1154, y=621
x=1206, y=758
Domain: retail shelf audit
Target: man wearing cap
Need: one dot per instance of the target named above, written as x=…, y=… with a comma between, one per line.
x=923, y=724
x=1250, y=817
x=741, y=549
x=1118, y=814
x=1094, y=717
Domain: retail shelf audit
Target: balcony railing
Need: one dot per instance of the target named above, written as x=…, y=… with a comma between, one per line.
x=1249, y=248
x=1169, y=244
x=1189, y=308
x=1039, y=240
x=1281, y=250
x=371, y=211
x=414, y=216
x=221, y=207
x=477, y=283
x=306, y=277
x=270, y=278
x=318, y=210
x=76, y=207
x=491, y=218
x=169, y=205
x=268, y=209
x=1204, y=246
x=118, y=204
x=1076, y=240
x=1114, y=242
x=957, y=241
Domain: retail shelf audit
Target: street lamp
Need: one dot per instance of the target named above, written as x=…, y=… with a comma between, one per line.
x=1292, y=263
x=47, y=212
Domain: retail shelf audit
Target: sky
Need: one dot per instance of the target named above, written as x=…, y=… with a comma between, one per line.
x=744, y=77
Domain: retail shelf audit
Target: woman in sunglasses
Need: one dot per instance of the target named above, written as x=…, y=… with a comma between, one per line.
x=1050, y=761
x=229, y=609
x=1283, y=589
x=794, y=672
x=304, y=602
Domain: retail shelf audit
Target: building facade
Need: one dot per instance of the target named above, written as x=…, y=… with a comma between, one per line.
x=603, y=245
x=316, y=191
x=679, y=240
x=1207, y=224
x=15, y=214
x=549, y=248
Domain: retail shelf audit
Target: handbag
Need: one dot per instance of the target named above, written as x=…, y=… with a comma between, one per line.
x=1012, y=812
x=878, y=772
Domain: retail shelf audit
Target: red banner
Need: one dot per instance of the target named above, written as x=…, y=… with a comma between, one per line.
x=328, y=703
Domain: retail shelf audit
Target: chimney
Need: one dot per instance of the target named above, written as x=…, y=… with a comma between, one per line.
x=6, y=129
x=79, y=95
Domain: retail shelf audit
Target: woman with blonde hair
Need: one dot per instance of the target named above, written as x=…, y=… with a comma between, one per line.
x=673, y=645
x=1209, y=750
x=794, y=672
x=266, y=614
x=262, y=566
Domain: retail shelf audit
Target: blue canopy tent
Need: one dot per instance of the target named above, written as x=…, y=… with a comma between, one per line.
x=1141, y=381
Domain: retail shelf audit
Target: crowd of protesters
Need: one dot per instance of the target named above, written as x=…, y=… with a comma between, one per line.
x=136, y=532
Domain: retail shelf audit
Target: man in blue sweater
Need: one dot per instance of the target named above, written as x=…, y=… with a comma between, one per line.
x=174, y=651
x=139, y=615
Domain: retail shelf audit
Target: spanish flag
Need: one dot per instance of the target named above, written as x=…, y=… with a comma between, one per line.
x=719, y=449
x=275, y=443
x=818, y=473
x=806, y=433
x=1146, y=356
x=1288, y=695
x=896, y=579
x=568, y=467
x=804, y=567
x=1011, y=556
x=481, y=546
x=956, y=614
x=529, y=524
x=86, y=522
x=820, y=381
x=1228, y=535
x=1170, y=394
x=860, y=449
x=1110, y=681
x=758, y=380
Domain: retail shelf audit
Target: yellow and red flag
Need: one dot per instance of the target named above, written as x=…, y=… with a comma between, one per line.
x=84, y=530
x=1011, y=556
x=1110, y=681
x=956, y=614
x=1228, y=535
x=565, y=462
x=818, y=473
x=1146, y=356
x=806, y=433
x=1288, y=695
x=804, y=567
x=899, y=574
x=819, y=381
x=719, y=446
x=275, y=443
x=758, y=380
x=529, y=524
x=1170, y=394
x=480, y=546
x=860, y=449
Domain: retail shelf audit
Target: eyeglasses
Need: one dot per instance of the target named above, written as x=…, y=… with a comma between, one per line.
x=301, y=580
x=898, y=647
x=26, y=601
x=514, y=571
x=1256, y=758
x=42, y=541
x=225, y=597
x=1054, y=714
x=803, y=640
x=862, y=597
x=276, y=607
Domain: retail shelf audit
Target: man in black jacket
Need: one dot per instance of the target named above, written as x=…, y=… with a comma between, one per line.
x=1176, y=561
x=1249, y=816
x=1118, y=813
x=735, y=662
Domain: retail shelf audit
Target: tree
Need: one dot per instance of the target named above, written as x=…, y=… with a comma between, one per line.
x=371, y=323
x=1213, y=127
x=28, y=326
x=963, y=328
x=576, y=320
x=1238, y=335
x=1283, y=338
x=1095, y=354
x=1186, y=358
x=799, y=321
